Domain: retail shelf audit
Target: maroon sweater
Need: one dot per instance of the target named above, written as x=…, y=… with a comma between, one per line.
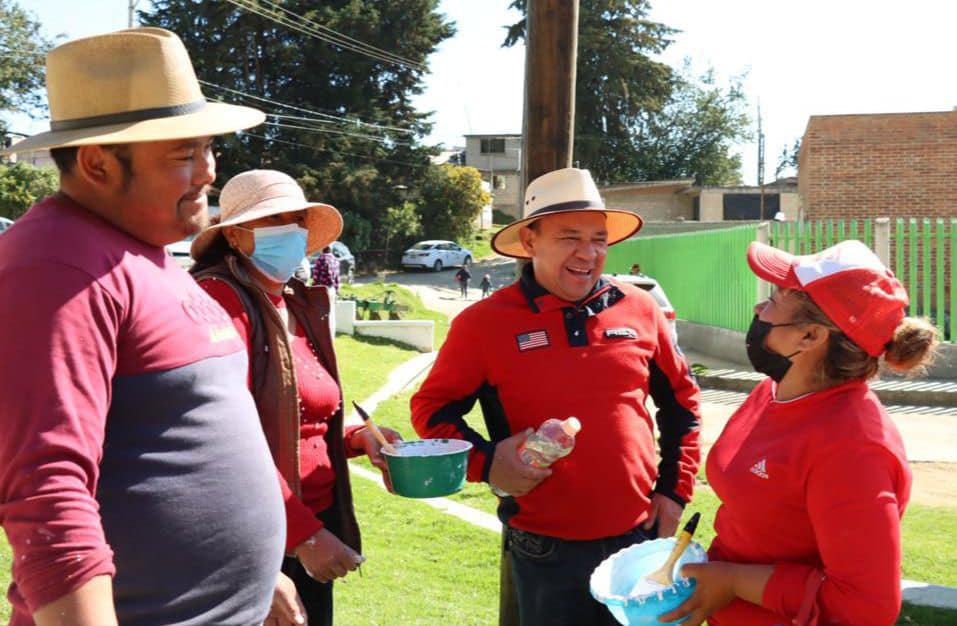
x=527, y=355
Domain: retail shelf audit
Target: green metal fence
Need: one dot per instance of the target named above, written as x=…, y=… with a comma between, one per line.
x=924, y=260
x=705, y=274
x=811, y=237
x=707, y=279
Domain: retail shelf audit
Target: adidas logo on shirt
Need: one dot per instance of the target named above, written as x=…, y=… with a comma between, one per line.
x=760, y=469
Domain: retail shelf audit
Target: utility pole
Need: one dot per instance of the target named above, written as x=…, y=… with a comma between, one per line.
x=132, y=15
x=551, y=52
x=548, y=139
x=760, y=160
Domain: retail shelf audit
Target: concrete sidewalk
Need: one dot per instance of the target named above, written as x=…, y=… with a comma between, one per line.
x=730, y=376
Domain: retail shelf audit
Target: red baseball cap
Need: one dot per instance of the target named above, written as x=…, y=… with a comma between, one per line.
x=847, y=282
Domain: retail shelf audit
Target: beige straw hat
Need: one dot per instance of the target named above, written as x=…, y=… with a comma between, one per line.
x=259, y=193
x=567, y=190
x=129, y=86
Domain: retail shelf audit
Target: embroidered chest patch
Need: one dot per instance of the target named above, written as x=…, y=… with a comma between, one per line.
x=621, y=333
x=532, y=340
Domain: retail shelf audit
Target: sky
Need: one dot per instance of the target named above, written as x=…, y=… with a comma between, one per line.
x=815, y=57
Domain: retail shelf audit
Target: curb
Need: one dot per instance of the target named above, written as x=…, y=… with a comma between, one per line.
x=925, y=393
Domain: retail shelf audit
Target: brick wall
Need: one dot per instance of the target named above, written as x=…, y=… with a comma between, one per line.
x=893, y=165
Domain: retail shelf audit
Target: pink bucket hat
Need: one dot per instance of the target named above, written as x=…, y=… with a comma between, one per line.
x=260, y=193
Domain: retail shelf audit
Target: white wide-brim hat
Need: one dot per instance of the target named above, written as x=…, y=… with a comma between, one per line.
x=259, y=193
x=130, y=86
x=567, y=190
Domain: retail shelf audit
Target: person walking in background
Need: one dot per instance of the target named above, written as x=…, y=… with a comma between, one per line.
x=602, y=347
x=325, y=274
x=135, y=482
x=325, y=271
x=810, y=470
x=486, y=286
x=463, y=276
x=245, y=261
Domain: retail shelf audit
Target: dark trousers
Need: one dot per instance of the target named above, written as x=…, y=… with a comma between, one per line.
x=464, y=287
x=316, y=596
x=551, y=577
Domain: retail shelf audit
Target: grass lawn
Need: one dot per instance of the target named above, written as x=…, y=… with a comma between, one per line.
x=355, y=353
x=414, y=309
x=6, y=558
x=480, y=243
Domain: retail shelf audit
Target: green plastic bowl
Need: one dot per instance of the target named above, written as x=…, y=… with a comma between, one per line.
x=428, y=468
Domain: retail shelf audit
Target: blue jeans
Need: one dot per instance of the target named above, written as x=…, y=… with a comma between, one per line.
x=551, y=576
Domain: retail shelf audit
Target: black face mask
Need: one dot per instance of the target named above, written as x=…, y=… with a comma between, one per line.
x=762, y=359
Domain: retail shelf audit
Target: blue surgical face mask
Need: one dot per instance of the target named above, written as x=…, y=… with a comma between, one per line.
x=279, y=250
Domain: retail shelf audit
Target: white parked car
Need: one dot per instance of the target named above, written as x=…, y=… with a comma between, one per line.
x=651, y=285
x=436, y=254
x=180, y=253
x=5, y=224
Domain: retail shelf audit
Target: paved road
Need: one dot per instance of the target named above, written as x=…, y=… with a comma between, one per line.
x=930, y=434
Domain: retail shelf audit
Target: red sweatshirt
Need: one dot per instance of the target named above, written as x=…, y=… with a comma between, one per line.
x=527, y=355
x=815, y=486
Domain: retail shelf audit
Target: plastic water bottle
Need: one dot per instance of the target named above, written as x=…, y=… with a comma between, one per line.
x=553, y=440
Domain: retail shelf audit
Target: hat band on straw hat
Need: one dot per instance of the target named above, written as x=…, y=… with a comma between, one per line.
x=573, y=205
x=126, y=117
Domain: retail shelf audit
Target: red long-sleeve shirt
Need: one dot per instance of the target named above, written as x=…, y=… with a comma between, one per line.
x=527, y=355
x=815, y=486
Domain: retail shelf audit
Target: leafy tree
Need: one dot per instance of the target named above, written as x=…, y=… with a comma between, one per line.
x=350, y=133
x=22, y=49
x=788, y=158
x=635, y=117
x=451, y=198
x=400, y=224
x=693, y=135
x=22, y=185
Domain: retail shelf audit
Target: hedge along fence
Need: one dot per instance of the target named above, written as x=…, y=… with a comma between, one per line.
x=707, y=279
x=705, y=274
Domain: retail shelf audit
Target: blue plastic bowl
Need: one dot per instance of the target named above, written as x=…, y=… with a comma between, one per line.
x=612, y=582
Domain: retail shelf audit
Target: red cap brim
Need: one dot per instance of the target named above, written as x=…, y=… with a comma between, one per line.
x=773, y=265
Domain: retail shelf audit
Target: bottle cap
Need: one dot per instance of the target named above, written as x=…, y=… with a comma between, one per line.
x=571, y=426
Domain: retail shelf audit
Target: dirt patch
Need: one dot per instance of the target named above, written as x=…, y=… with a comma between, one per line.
x=935, y=484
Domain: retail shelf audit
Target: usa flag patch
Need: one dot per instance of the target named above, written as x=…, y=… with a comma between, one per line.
x=532, y=340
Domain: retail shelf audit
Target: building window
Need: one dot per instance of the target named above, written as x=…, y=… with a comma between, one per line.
x=747, y=206
x=498, y=182
x=493, y=145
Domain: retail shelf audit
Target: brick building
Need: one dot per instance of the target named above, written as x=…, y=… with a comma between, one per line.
x=896, y=165
x=882, y=165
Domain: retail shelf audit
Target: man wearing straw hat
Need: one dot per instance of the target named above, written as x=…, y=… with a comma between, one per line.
x=135, y=482
x=564, y=341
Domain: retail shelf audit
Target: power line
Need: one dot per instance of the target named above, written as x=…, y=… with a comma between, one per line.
x=310, y=111
x=310, y=28
x=313, y=129
x=327, y=34
x=318, y=149
x=337, y=34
